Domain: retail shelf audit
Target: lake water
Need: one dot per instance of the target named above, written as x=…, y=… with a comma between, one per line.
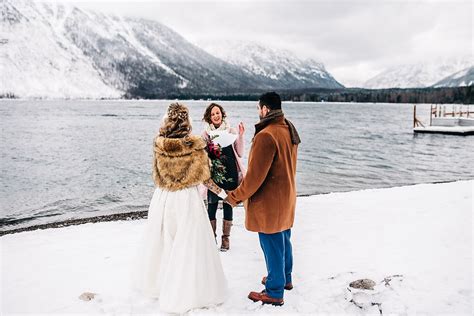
x=72, y=159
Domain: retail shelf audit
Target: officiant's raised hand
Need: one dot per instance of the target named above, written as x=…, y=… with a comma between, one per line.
x=241, y=128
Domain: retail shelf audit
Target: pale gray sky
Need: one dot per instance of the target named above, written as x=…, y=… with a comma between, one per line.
x=354, y=39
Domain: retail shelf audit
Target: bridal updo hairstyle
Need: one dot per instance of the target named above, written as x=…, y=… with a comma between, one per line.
x=176, y=123
x=207, y=114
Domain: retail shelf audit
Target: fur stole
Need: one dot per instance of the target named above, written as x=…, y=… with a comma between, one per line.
x=180, y=163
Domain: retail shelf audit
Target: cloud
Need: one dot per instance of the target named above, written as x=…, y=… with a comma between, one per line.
x=354, y=39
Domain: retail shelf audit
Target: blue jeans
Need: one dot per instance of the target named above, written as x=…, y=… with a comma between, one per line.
x=279, y=259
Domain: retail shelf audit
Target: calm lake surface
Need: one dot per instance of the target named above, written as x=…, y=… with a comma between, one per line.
x=72, y=159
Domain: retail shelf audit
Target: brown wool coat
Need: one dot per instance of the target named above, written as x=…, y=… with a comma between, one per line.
x=269, y=189
x=180, y=163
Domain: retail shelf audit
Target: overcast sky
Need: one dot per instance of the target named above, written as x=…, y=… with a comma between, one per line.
x=354, y=39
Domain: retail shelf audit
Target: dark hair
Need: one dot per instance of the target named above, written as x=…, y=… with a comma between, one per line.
x=176, y=124
x=207, y=114
x=271, y=100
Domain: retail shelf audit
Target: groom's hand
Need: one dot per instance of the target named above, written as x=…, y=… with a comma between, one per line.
x=226, y=200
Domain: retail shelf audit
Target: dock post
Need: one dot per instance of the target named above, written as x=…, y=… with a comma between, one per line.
x=431, y=112
x=414, y=116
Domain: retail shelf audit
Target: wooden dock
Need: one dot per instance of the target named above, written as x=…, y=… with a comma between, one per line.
x=455, y=122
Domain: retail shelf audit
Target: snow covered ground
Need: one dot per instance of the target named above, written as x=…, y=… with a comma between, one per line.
x=419, y=237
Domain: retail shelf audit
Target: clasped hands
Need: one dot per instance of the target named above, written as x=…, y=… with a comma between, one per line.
x=223, y=196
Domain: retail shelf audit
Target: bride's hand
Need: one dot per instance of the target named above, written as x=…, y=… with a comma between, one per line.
x=222, y=194
x=241, y=128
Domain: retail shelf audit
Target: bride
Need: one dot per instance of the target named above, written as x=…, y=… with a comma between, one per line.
x=180, y=263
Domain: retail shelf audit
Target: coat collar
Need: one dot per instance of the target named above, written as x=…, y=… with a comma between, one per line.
x=274, y=117
x=175, y=147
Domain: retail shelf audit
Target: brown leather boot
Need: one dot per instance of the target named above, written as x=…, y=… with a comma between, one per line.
x=226, y=225
x=265, y=299
x=214, y=227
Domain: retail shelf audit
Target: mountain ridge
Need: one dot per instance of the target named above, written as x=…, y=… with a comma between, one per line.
x=461, y=78
x=57, y=50
x=418, y=75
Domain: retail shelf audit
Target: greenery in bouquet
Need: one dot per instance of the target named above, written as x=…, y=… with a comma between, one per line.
x=218, y=169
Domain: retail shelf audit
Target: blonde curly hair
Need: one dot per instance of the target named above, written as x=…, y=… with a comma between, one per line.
x=176, y=123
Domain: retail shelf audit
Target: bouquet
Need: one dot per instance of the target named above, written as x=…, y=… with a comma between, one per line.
x=218, y=169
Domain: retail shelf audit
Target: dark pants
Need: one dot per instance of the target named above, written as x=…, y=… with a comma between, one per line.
x=212, y=210
x=279, y=259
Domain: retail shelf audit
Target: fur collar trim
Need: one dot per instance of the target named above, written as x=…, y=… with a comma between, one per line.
x=176, y=147
x=180, y=163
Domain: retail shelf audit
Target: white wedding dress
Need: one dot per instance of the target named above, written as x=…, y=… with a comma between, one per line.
x=179, y=262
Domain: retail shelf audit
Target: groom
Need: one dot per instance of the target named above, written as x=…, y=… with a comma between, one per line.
x=269, y=194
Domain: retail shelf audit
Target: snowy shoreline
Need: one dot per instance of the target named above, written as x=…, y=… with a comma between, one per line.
x=420, y=236
x=134, y=215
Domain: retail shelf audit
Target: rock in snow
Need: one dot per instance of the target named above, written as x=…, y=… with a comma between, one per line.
x=364, y=284
x=87, y=296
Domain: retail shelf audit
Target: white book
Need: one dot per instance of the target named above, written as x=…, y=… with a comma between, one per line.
x=222, y=138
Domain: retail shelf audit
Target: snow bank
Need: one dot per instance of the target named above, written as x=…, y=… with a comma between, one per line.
x=419, y=236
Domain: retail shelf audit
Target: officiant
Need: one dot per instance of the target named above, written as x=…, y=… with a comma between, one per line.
x=226, y=149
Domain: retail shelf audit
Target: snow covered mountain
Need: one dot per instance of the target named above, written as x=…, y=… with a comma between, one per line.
x=461, y=78
x=37, y=60
x=278, y=66
x=418, y=75
x=56, y=50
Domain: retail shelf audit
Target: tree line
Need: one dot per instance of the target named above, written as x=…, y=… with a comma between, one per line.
x=457, y=95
